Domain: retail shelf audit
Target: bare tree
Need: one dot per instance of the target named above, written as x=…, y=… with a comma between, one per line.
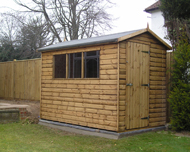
x=75, y=19
x=20, y=36
x=32, y=35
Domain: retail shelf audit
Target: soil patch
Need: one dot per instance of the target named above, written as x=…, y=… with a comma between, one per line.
x=33, y=108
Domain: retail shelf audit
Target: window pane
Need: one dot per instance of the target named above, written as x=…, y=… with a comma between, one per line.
x=75, y=65
x=91, y=64
x=60, y=66
x=91, y=53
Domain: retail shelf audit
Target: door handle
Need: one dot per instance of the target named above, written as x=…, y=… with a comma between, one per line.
x=129, y=84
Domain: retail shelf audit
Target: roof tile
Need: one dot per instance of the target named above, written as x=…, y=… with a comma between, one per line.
x=153, y=7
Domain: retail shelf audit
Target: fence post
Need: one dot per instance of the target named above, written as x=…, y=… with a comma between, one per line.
x=14, y=61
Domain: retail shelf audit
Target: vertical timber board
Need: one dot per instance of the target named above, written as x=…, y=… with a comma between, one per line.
x=169, y=61
x=20, y=79
x=2, y=80
x=144, y=107
x=137, y=96
x=128, y=80
x=118, y=53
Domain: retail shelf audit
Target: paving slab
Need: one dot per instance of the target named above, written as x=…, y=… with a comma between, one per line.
x=8, y=106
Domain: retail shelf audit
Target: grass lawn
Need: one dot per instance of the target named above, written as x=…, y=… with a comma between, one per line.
x=31, y=137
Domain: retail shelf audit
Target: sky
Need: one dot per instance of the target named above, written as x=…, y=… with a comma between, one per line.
x=129, y=13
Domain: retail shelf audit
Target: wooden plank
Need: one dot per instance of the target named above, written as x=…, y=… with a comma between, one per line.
x=157, y=110
x=155, y=55
x=155, y=124
x=158, y=83
x=155, y=96
x=47, y=61
x=157, y=92
x=128, y=89
x=109, y=72
x=158, y=69
x=108, y=51
x=155, y=78
x=122, y=87
x=118, y=91
x=122, y=61
x=158, y=46
x=106, y=67
x=122, y=76
x=122, y=66
x=154, y=64
x=156, y=87
x=144, y=79
x=157, y=119
x=157, y=101
x=162, y=105
x=160, y=51
x=156, y=115
x=108, y=61
x=158, y=60
x=152, y=73
x=108, y=77
x=136, y=86
x=108, y=56
x=80, y=81
x=138, y=41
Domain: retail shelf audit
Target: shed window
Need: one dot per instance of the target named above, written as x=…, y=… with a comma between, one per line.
x=91, y=64
x=60, y=66
x=75, y=65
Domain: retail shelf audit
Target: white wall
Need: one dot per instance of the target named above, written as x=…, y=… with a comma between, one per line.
x=157, y=23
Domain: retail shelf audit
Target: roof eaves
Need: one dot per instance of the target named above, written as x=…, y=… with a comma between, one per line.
x=46, y=49
x=153, y=7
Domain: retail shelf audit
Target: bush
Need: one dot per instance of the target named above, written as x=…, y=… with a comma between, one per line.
x=180, y=95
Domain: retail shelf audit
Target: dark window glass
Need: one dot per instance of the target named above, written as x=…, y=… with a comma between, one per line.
x=91, y=53
x=60, y=66
x=75, y=65
x=91, y=63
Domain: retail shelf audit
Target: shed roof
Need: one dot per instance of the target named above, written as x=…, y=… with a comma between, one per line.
x=113, y=38
x=153, y=7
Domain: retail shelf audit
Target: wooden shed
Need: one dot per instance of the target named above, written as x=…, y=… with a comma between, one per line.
x=115, y=82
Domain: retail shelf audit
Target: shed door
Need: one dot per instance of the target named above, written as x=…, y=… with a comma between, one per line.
x=137, y=87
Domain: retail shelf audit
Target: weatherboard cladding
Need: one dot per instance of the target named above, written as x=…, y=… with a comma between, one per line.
x=86, y=42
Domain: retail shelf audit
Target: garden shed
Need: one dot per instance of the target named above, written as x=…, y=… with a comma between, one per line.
x=115, y=82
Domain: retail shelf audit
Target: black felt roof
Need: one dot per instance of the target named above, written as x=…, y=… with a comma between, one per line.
x=86, y=42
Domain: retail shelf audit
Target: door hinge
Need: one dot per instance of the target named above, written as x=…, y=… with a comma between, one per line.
x=145, y=85
x=129, y=84
x=148, y=52
x=145, y=118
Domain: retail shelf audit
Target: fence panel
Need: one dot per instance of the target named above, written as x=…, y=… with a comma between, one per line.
x=169, y=60
x=20, y=79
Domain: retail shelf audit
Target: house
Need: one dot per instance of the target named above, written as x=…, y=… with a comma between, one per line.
x=157, y=20
x=114, y=82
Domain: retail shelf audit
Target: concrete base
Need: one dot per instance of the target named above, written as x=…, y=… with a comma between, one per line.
x=94, y=132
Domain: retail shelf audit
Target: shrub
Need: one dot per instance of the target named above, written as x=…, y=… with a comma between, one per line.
x=180, y=95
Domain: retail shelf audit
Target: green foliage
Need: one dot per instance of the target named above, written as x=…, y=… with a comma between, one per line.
x=180, y=103
x=175, y=9
x=177, y=19
x=8, y=51
x=180, y=94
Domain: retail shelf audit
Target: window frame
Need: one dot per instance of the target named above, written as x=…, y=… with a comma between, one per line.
x=97, y=56
x=83, y=64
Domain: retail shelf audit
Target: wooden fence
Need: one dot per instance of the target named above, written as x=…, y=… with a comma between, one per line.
x=169, y=60
x=20, y=79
